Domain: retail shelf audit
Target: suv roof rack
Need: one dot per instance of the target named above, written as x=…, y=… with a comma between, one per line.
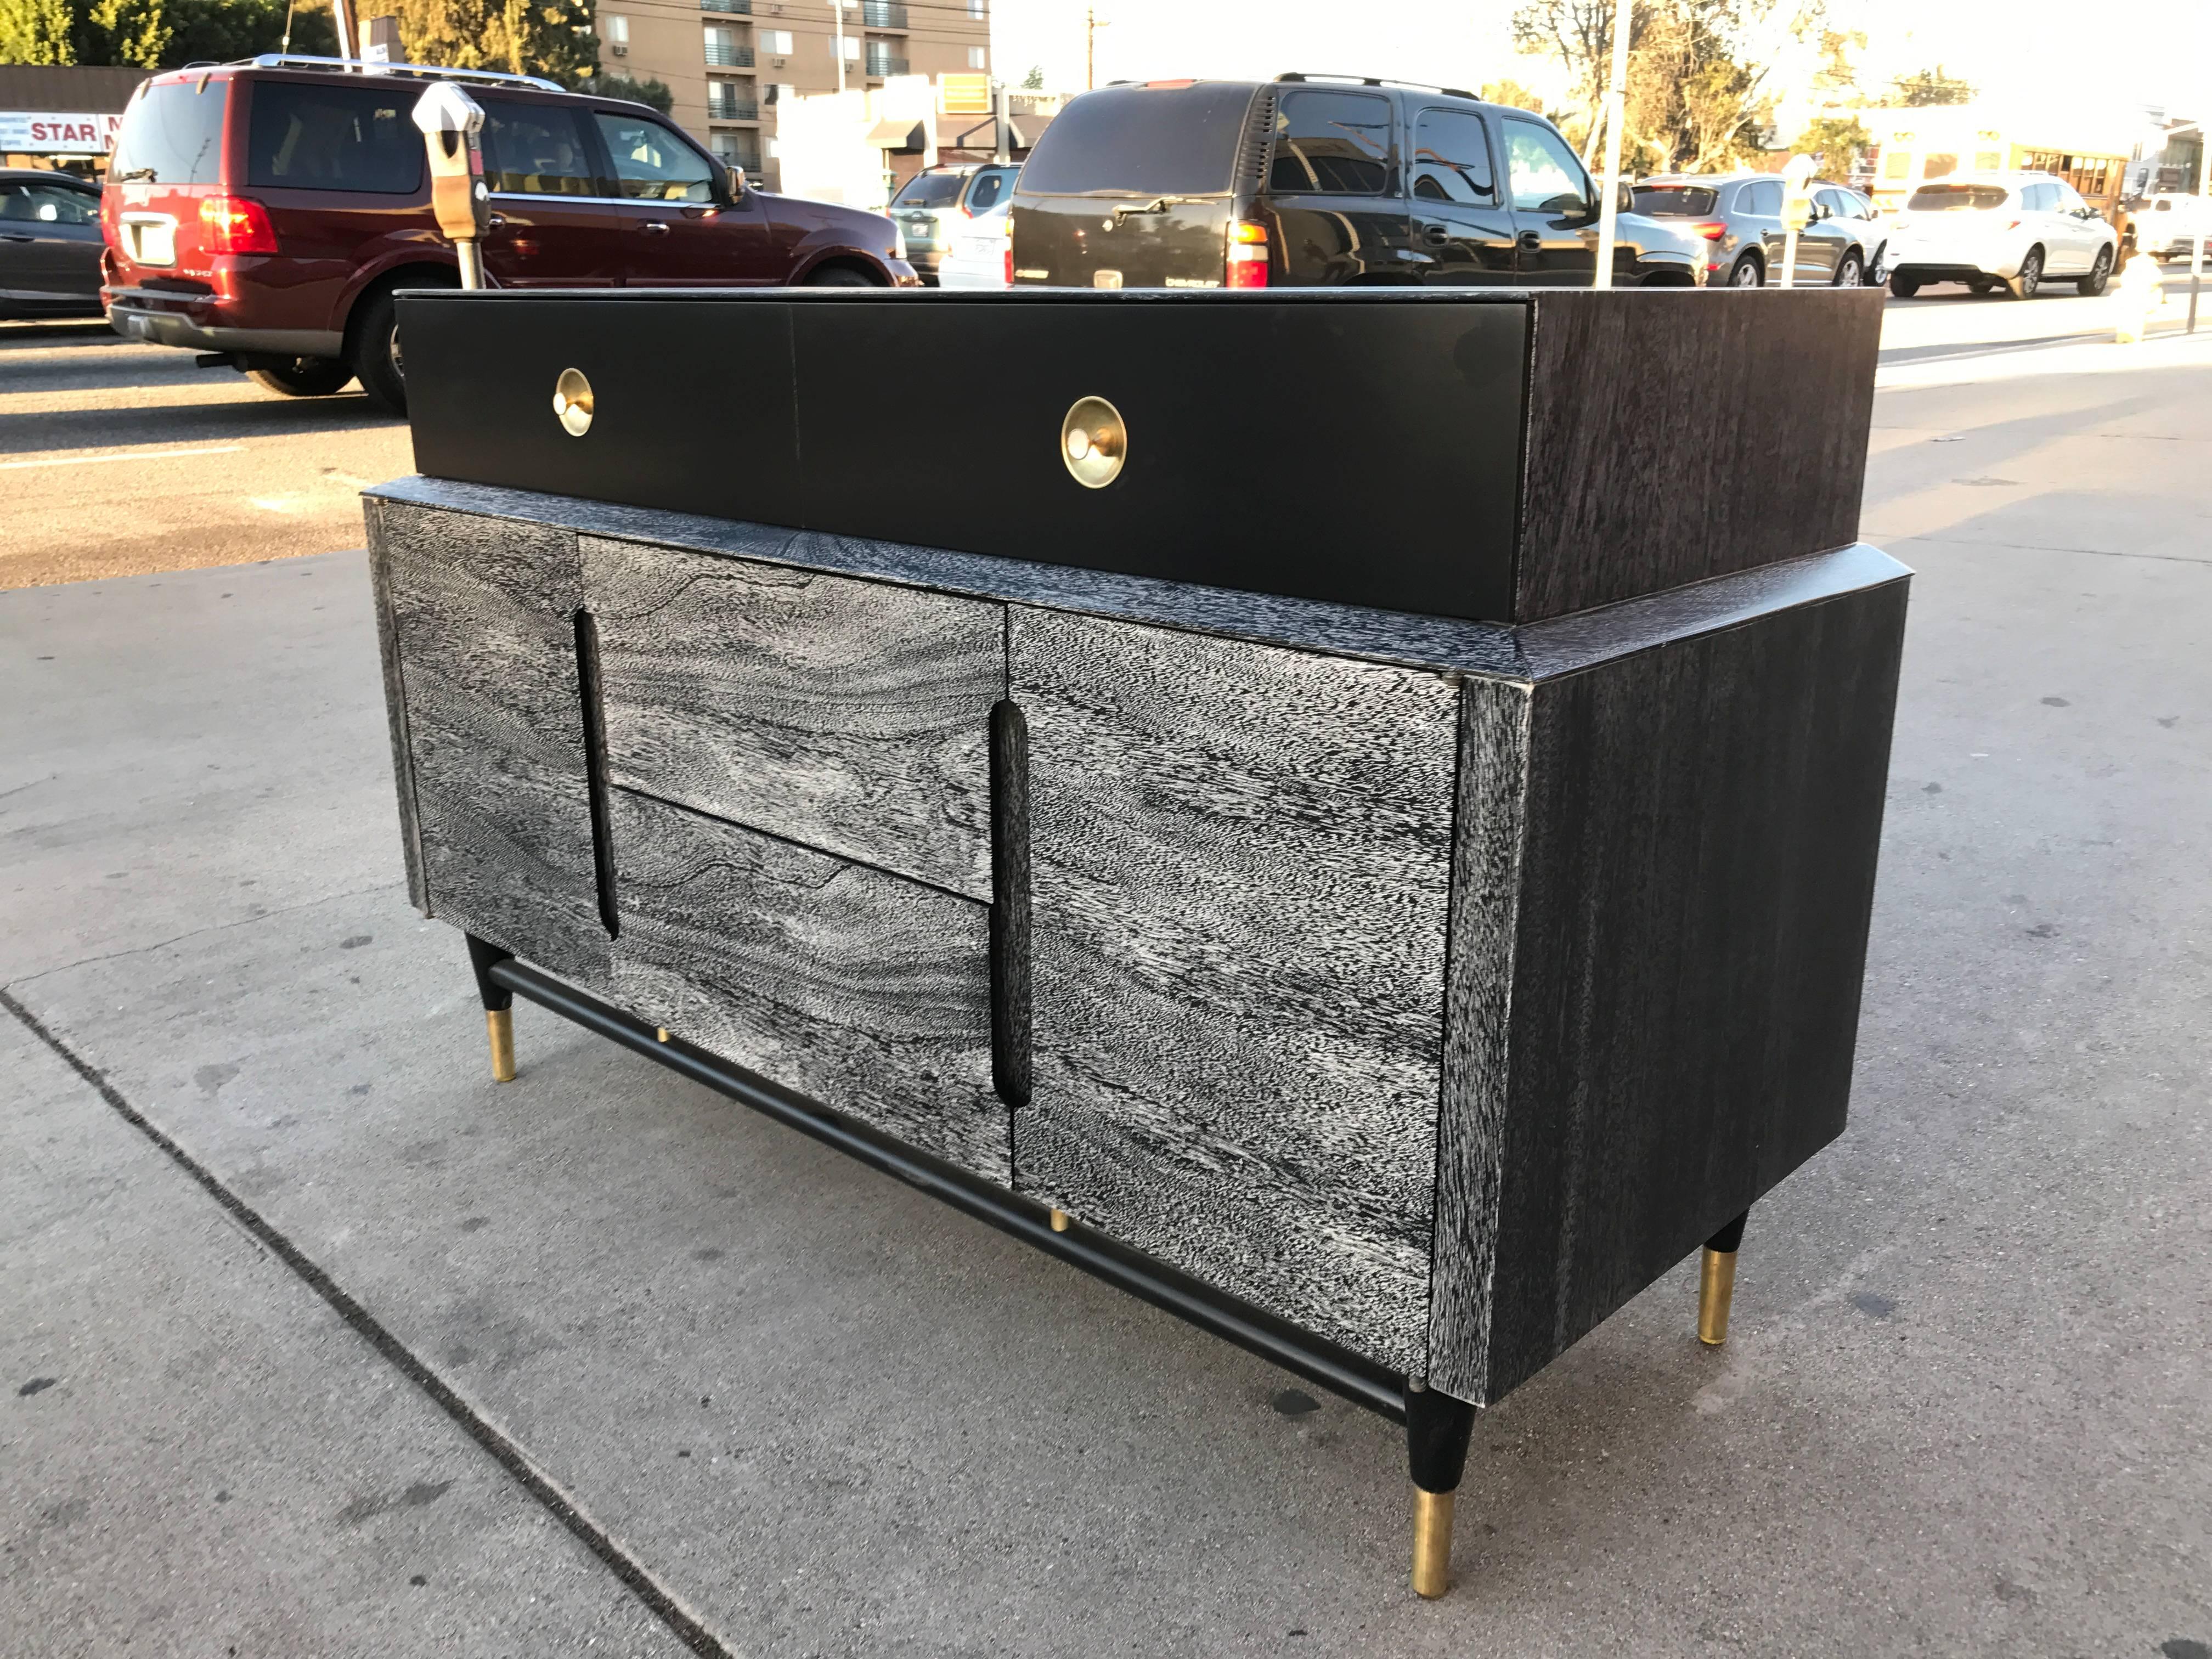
x=295, y=60
x=1374, y=81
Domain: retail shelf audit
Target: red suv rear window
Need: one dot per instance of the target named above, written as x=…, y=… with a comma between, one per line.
x=350, y=138
x=173, y=134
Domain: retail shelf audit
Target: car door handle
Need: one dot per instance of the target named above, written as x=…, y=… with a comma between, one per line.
x=1531, y=240
x=655, y=228
x=497, y=221
x=1435, y=235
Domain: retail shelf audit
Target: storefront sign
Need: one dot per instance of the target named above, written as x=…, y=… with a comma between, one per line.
x=39, y=132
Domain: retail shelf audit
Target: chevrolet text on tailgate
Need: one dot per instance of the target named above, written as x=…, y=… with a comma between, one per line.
x=266, y=213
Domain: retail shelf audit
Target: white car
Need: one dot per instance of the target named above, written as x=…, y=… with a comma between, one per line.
x=1992, y=230
x=980, y=253
x=2166, y=223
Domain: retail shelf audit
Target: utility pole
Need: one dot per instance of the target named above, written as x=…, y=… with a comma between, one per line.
x=837, y=25
x=2203, y=224
x=1616, y=109
x=1091, y=27
x=342, y=16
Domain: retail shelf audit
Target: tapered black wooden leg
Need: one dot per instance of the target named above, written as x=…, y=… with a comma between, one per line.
x=498, y=1006
x=1437, y=1428
x=1717, y=1282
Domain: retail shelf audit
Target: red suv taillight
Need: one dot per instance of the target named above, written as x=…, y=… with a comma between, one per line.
x=1248, y=255
x=235, y=224
x=110, y=220
x=1712, y=229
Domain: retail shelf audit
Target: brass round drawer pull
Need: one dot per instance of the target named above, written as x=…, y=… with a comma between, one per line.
x=571, y=401
x=1094, y=442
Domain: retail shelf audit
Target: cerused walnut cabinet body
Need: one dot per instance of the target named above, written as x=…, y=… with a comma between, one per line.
x=1429, y=973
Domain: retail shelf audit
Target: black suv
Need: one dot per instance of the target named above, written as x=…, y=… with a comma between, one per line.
x=1310, y=181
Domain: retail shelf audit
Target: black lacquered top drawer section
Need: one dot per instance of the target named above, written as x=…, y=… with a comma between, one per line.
x=1338, y=447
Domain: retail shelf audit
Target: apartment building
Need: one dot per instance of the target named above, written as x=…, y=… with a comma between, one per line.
x=729, y=62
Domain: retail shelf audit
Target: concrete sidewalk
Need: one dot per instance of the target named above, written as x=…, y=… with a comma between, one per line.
x=1966, y=1408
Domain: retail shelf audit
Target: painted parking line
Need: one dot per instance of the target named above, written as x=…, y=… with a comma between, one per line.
x=127, y=455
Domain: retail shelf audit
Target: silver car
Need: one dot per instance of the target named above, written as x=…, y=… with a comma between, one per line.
x=1739, y=218
x=932, y=208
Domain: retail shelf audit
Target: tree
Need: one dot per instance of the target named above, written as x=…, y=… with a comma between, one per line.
x=653, y=93
x=1932, y=86
x=1512, y=93
x=154, y=33
x=1835, y=142
x=552, y=38
x=1034, y=80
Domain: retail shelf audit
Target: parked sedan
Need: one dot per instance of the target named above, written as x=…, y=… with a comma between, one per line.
x=49, y=245
x=1740, y=217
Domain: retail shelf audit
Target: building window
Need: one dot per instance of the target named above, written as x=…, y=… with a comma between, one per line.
x=852, y=48
x=1939, y=167
x=975, y=8
x=776, y=43
x=618, y=31
x=978, y=57
x=1897, y=164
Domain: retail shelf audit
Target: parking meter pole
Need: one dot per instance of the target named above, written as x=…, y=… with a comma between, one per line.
x=1002, y=148
x=1616, y=103
x=1796, y=212
x=451, y=124
x=2198, y=230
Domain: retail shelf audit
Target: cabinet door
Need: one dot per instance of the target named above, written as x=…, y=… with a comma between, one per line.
x=851, y=716
x=483, y=618
x=1239, y=861
x=855, y=989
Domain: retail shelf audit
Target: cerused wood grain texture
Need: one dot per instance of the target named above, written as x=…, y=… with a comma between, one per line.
x=851, y=716
x=483, y=611
x=1239, y=868
x=1485, y=898
x=395, y=704
x=863, y=990
x=1701, y=823
x=1677, y=435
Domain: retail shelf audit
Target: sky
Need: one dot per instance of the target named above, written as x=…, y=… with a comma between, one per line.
x=2148, y=50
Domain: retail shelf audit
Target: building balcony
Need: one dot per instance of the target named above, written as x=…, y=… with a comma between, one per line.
x=740, y=8
x=732, y=111
x=883, y=63
x=882, y=14
x=728, y=57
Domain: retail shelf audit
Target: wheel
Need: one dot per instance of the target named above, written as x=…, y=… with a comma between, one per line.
x=1745, y=273
x=1904, y=287
x=302, y=377
x=375, y=337
x=1849, y=273
x=2023, y=286
x=1985, y=285
x=837, y=277
x=1877, y=271
x=2100, y=274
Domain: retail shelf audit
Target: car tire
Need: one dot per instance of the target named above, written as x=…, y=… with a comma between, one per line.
x=303, y=377
x=1985, y=286
x=2023, y=286
x=1904, y=287
x=837, y=277
x=1877, y=271
x=375, y=341
x=1849, y=273
x=2100, y=274
x=1746, y=273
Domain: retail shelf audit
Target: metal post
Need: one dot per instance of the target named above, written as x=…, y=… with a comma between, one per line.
x=2198, y=230
x=340, y=15
x=1616, y=108
x=1003, y=150
x=837, y=24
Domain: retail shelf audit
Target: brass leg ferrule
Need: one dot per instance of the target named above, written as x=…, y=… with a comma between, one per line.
x=500, y=1023
x=1715, y=1288
x=1432, y=1530
x=661, y=1034
x=1060, y=1221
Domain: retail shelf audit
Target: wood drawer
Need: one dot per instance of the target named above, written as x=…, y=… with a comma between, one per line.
x=863, y=990
x=849, y=716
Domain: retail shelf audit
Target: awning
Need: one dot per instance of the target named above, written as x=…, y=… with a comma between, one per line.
x=901, y=136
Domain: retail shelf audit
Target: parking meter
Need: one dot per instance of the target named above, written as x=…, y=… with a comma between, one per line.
x=453, y=134
x=1796, y=211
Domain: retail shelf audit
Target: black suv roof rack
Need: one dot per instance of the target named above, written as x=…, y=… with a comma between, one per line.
x=362, y=65
x=1374, y=81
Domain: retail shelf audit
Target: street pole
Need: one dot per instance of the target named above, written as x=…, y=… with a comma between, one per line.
x=837, y=25
x=1002, y=148
x=344, y=22
x=2203, y=224
x=1616, y=108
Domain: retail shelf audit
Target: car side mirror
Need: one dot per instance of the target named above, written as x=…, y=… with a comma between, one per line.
x=737, y=183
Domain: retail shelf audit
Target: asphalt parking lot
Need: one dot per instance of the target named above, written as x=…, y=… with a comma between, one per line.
x=315, y=1340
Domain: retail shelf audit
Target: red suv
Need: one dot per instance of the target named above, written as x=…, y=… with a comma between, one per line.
x=266, y=212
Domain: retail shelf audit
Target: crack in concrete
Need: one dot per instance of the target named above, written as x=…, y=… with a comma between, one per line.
x=212, y=927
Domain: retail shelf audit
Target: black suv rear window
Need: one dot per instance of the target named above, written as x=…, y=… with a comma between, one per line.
x=1141, y=141
x=343, y=138
x=173, y=134
x=1676, y=200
